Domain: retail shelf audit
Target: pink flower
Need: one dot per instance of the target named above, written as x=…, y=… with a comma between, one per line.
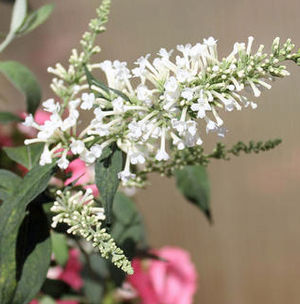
x=71, y=273
x=81, y=172
x=5, y=141
x=41, y=116
x=165, y=282
x=5, y=138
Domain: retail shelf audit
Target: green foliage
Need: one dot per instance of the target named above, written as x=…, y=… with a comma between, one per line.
x=107, y=181
x=24, y=81
x=33, y=255
x=55, y=288
x=12, y=214
x=93, y=81
x=60, y=247
x=47, y=300
x=94, y=274
x=196, y=156
x=18, y=15
x=23, y=23
x=35, y=19
x=193, y=183
x=128, y=228
x=6, y=117
x=27, y=156
x=8, y=182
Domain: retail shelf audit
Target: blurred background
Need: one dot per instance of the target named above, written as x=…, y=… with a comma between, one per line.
x=251, y=254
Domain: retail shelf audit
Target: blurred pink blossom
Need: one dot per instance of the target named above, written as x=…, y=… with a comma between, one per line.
x=81, y=172
x=172, y=281
x=71, y=273
x=5, y=141
x=5, y=137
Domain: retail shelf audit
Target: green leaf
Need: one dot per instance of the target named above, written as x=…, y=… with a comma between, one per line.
x=128, y=229
x=8, y=182
x=21, y=77
x=94, y=275
x=33, y=255
x=6, y=117
x=47, y=300
x=60, y=247
x=12, y=213
x=93, y=290
x=35, y=19
x=107, y=181
x=193, y=183
x=27, y=156
x=93, y=81
x=18, y=15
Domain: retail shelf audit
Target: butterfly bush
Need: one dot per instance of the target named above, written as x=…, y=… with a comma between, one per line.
x=158, y=107
x=156, y=113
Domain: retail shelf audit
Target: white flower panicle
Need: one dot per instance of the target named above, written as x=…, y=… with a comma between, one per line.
x=78, y=211
x=175, y=99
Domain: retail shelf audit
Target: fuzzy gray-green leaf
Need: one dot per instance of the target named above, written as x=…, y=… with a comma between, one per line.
x=35, y=19
x=21, y=77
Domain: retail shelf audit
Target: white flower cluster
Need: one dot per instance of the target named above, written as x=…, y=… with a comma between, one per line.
x=174, y=99
x=78, y=211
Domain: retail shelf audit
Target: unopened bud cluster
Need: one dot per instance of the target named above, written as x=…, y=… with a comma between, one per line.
x=78, y=211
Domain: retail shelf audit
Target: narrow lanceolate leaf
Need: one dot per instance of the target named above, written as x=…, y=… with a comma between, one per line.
x=33, y=255
x=12, y=213
x=27, y=156
x=18, y=15
x=93, y=81
x=107, y=181
x=35, y=19
x=6, y=117
x=24, y=81
x=8, y=182
x=60, y=248
x=193, y=183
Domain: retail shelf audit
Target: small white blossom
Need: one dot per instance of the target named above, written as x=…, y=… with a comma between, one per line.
x=88, y=101
x=51, y=106
x=88, y=156
x=77, y=146
x=63, y=163
x=96, y=150
x=29, y=121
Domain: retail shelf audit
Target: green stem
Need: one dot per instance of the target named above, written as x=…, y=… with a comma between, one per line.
x=7, y=41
